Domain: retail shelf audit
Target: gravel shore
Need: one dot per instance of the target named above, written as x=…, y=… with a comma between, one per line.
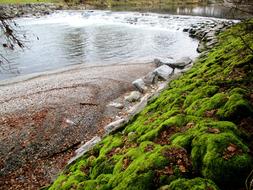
x=44, y=118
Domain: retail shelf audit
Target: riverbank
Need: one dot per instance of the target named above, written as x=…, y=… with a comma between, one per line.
x=30, y=9
x=196, y=134
x=43, y=119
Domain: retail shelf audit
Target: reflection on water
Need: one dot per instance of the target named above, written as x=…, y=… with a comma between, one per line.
x=100, y=37
x=210, y=11
x=207, y=10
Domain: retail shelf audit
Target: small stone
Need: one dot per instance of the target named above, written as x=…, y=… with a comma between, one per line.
x=139, y=106
x=134, y=96
x=158, y=62
x=85, y=148
x=68, y=121
x=180, y=63
x=163, y=72
x=184, y=61
x=116, y=105
x=115, y=125
x=140, y=85
x=201, y=47
x=150, y=78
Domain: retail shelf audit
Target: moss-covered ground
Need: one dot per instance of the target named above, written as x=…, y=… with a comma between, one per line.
x=196, y=135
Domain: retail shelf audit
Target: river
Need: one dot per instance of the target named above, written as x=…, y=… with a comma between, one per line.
x=88, y=37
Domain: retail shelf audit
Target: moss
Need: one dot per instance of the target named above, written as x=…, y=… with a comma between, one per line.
x=236, y=107
x=208, y=142
x=177, y=121
x=193, y=184
x=111, y=142
x=201, y=106
x=195, y=120
x=67, y=182
x=58, y=182
x=208, y=155
x=198, y=93
x=137, y=169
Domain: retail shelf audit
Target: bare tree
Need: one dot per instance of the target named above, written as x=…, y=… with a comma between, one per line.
x=9, y=37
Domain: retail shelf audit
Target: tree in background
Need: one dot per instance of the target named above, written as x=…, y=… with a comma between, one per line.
x=244, y=6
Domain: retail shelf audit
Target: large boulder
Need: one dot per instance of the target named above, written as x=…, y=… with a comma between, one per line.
x=163, y=72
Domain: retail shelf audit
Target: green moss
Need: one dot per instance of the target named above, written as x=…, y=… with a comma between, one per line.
x=195, y=120
x=193, y=184
x=208, y=142
x=236, y=107
x=58, y=182
x=208, y=156
x=110, y=142
x=201, y=106
x=198, y=93
x=176, y=121
x=136, y=170
x=70, y=181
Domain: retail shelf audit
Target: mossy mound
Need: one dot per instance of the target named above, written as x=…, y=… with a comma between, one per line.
x=195, y=128
x=194, y=184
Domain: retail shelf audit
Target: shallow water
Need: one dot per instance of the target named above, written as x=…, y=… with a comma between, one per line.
x=100, y=37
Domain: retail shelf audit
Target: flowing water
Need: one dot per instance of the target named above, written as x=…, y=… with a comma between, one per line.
x=99, y=37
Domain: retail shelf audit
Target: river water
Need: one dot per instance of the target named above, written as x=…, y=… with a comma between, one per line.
x=99, y=37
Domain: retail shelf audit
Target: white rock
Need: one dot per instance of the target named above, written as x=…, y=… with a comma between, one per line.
x=139, y=106
x=68, y=121
x=140, y=85
x=163, y=72
x=183, y=62
x=115, y=125
x=134, y=96
x=85, y=148
x=116, y=105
